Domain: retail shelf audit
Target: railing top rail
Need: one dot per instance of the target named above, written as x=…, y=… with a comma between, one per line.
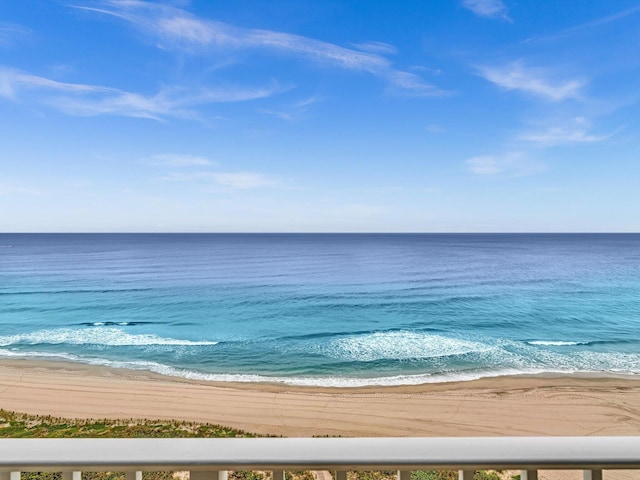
x=320, y=453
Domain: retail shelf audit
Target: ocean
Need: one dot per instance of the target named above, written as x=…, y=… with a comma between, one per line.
x=325, y=309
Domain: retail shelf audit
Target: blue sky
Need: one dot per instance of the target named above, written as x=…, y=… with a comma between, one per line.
x=319, y=116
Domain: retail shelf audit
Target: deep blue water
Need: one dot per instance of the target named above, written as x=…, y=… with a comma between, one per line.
x=325, y=309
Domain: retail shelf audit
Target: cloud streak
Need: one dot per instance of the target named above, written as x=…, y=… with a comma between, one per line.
x=512, y=164
x=561, y=135
x=92, y=100
x=173, y=28
x=292, y=112
x=377, y=48
x=534, y=81
x=574, y=131
x=234, y=180
x=598, y=22
x=10, y=32
x=487, y=8
x=177, y=160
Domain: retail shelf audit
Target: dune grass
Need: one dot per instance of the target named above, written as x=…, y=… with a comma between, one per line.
x=21, y=425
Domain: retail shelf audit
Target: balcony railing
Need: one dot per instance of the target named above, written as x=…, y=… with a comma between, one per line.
x=210, y=459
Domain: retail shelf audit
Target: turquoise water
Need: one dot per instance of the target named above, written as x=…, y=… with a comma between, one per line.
x=342, y=310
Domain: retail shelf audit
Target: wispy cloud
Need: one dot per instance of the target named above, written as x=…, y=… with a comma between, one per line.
x=173, y=28
x=535, y=81
x=176, y=28
x=177, y=160
x=487, y=8
x=598, y=22
x=244, y=180
x=13, y=81
x=376, y=48
x=609, y=18
x=281, y=114
x=91, y=100
x=577, y=131
x=406, y=83
x=11, y=33
x=512, y=164
x=235, y=180
x=292, y=112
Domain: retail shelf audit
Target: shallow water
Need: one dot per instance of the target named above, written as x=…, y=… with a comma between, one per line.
x=321, y=309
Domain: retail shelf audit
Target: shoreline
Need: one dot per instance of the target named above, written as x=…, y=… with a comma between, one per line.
x=336, y=383
x=494, y=406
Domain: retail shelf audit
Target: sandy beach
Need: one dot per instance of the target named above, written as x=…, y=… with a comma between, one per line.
x=494, y=406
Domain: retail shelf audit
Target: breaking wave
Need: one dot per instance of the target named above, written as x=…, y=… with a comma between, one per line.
x=95, y=335
x=399, y=345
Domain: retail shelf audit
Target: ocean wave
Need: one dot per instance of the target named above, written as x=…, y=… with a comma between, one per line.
x=41, y=355
x=399, y=345
x=75, y=291
x=555, y=343
x=120, y=324
x=95, y=335
x=315, y=381
x=608, y=361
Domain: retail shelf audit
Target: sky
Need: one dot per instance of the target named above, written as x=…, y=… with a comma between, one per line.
x=319, y=116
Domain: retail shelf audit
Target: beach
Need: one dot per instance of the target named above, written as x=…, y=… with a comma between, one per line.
x=517, y=405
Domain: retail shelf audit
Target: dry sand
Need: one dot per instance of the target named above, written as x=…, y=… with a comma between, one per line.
x=520, y=405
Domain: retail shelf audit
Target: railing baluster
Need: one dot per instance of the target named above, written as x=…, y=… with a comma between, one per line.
x=72, y=475
x=404, y=474
x=9, y=476
x=341, y=475
x=137, y=475
x=528, y=474
x=223, y=475
x=592, y=474
x=465, y=474
x=278, y=475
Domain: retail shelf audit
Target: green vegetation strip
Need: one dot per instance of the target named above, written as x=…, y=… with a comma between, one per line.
x=20, y=425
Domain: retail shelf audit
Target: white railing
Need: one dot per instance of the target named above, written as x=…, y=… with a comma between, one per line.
x=210, y=459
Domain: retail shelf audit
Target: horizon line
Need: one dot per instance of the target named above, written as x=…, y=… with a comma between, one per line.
x=324, y=233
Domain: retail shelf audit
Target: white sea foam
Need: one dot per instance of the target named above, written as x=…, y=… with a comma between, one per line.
x=94, y=336
x=623, y=365
x=400, y=345
x=328, y=381
x=557, y=343
x=102, y=324
x=42, y=355
x=616, y=362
